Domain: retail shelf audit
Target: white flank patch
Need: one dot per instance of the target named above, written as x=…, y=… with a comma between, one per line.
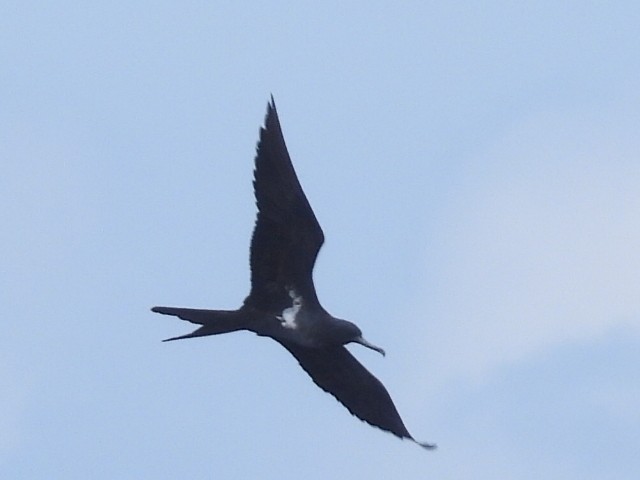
x=288, y=318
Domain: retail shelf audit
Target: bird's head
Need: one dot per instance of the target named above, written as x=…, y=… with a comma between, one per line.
x=350, y=333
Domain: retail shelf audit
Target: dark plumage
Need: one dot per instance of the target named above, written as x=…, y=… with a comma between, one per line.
x=283, y=303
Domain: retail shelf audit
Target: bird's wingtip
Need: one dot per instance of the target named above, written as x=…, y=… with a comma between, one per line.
x=272, y=103
x=271, y=114
x=427, y=446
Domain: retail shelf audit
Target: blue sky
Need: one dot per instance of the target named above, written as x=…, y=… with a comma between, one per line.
x=475, y=169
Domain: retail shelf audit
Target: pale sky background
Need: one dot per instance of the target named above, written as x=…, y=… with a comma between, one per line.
x=475, y=167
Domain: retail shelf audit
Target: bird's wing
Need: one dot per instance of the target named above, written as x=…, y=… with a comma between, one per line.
x=337, y=372
x=287, y=236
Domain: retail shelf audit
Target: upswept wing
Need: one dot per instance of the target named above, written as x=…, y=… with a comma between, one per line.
x=287, y=237
x=338, y=372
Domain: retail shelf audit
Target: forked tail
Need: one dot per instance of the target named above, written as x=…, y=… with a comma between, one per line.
x=213, y=322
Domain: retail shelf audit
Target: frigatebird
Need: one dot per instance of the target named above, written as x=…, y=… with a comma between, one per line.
x=283, y=304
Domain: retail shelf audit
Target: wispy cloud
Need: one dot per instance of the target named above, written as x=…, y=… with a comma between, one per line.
x=540, y=245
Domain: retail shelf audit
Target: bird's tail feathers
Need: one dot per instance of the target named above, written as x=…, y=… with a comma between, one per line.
x=214, y=322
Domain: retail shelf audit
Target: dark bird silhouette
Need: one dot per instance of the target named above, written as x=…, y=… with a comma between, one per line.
x=283, y=303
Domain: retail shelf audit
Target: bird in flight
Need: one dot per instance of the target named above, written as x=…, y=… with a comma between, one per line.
x=283, y=304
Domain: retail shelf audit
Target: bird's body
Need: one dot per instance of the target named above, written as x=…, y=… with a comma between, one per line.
x=283, y=304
